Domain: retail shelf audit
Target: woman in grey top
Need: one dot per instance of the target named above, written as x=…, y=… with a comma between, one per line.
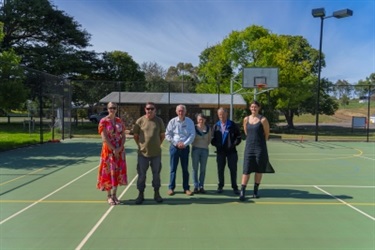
x=199, y=153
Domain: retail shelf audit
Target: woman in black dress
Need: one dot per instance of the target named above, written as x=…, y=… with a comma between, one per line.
x=257, y=130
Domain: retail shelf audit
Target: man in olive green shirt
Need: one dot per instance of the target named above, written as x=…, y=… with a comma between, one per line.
x=149, y=133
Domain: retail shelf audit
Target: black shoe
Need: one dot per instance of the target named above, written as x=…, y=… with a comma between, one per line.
x=219, y=190
x=140, y=198
x=157, y=197
x=236, y=191
x=202, y=191
x=256, y=196
x=242, y=195
x=196, y=191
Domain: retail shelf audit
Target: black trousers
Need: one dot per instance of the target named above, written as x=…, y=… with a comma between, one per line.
x=221, y=159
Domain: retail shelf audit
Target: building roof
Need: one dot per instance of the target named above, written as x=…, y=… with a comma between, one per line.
x=203, y=100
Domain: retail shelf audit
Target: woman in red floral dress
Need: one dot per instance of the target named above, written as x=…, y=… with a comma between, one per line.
x=112, y=168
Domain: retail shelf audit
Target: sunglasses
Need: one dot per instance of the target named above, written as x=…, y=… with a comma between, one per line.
x=112, y=108
x=150, y=109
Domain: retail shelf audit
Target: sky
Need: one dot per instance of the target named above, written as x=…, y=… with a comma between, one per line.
x=171, y=31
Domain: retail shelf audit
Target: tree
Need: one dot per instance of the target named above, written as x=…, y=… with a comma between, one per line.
x=363, y=86
x=13, y=92
x=46, y=38
x=214, y=71
x=120, y=66
x=184, y=74
x=327, y=104
x=257, y=47
x=113, y=71
x=155, y=77
x=343, y=90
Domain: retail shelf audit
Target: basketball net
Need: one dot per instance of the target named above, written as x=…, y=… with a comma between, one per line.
x=261, y=86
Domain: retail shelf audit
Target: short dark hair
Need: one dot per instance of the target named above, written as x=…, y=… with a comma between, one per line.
x=201, y=115
x=256, y=103
x=150, y=103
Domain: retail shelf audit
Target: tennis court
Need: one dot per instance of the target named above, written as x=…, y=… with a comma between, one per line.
x=321, y=197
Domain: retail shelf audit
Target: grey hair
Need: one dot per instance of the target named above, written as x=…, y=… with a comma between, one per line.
x=222, y=109
x=182, y=106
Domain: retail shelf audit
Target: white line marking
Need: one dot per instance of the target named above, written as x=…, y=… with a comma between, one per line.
x=356, y=209
x=92, y=231
x=364, y=157
x=333, y=186
x=45, y=197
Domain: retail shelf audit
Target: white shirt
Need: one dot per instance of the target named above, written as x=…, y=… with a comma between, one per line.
x=180, y=131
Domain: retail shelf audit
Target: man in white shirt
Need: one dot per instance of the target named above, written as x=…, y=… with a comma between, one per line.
x=180, y=132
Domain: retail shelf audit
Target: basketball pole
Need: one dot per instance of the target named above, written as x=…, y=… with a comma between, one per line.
x=231, y=98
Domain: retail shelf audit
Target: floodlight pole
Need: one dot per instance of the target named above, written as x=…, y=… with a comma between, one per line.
x=318, y=86
x=218, y=94
x=321, y=14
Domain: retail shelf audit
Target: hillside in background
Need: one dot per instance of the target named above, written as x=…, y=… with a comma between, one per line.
x=343, y=115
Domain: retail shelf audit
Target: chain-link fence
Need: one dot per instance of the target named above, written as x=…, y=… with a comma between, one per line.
x=47, y=110
x=56, y=107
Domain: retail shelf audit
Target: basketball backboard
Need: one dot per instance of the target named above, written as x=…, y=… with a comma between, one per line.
x=265, y=77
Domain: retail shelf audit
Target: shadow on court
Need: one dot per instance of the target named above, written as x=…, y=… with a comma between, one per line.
x=51, y=155
x=212, y=198
x=298, y=194
x=35, y=177
x=183, y=201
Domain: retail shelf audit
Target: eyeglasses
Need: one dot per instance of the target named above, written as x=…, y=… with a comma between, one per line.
x=112, y=108
x=150, y=109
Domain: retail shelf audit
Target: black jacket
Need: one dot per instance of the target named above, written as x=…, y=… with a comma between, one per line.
x=232, y=137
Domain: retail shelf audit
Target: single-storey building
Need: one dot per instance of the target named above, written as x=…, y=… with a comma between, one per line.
x=132, y=104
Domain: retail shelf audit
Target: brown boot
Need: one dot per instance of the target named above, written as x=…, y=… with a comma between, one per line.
x=140, y=198
x=157, y=197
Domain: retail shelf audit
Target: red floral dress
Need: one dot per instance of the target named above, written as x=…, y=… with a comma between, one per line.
x=112, y=171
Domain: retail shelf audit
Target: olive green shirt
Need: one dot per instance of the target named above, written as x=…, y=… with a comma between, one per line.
x=149, y=132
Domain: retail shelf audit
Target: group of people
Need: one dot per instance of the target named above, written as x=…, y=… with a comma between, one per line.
x=181, y=132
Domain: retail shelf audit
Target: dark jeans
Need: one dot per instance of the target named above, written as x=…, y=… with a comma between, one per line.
x=142, y=167
x=176, y=155
x=221, y=159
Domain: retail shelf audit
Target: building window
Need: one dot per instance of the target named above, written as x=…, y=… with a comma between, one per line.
x=206, y=112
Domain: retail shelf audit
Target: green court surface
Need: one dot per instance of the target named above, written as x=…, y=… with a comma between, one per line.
x=322, y=196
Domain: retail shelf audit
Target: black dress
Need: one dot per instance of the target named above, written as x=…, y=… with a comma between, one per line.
x=256, y=154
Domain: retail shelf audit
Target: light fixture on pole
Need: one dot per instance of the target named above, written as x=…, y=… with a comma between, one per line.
x=320, y=12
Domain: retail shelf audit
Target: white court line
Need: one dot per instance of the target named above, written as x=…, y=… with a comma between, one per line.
x=334, y=186
x=45, y=197
x=92, y=231
x=356, y=209
x=364, y=157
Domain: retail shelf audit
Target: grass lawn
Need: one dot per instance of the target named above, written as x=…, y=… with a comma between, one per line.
x=14, y=135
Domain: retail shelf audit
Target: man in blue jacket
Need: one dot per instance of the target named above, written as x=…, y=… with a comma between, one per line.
x=226, y=136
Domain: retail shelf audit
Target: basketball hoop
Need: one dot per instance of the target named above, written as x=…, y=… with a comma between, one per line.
x=261, y=86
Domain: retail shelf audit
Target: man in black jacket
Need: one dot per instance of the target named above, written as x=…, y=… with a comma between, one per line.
x=225, y=137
